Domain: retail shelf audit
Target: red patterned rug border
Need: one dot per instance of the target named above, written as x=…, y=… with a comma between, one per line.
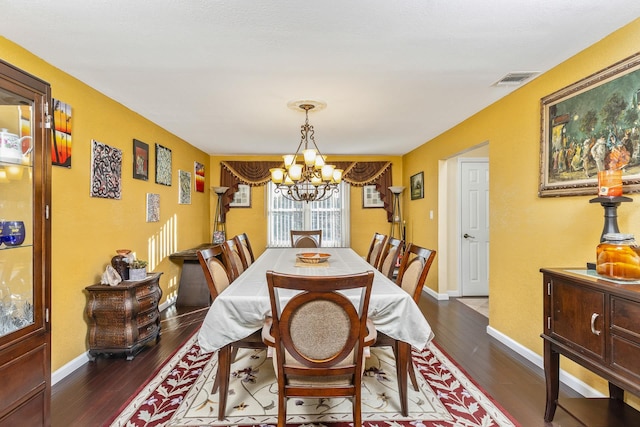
x=149, y=378
x=471, y=379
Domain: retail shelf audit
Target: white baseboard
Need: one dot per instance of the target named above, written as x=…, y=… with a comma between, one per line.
x=67, y=369
x=569, y=380
x=76, y=363
x=434, y=294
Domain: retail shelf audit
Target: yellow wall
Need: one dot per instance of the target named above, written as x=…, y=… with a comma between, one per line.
x=527, y=232
x=86, y=231
x=253, y=221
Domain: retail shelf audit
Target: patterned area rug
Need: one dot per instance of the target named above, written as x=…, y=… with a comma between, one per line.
x=180, y=395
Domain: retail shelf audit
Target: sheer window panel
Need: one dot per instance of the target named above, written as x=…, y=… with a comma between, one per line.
x=331, y=216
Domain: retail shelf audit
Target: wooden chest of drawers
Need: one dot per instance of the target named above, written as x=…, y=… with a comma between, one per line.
x=595, y=323
x=123, y=318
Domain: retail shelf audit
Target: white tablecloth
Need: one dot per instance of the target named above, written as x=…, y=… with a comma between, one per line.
x=241, y=309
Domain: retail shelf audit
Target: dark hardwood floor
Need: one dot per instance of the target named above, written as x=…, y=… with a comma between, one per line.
x=94, y=393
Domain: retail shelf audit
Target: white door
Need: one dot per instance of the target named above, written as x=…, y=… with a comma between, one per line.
x=474, y=227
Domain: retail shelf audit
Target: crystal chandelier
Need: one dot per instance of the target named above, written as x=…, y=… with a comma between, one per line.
x=311, y=180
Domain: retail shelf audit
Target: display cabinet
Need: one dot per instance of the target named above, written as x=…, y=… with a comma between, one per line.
x=25, y=257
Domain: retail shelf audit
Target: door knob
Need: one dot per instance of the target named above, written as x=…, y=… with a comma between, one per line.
x=468, y=236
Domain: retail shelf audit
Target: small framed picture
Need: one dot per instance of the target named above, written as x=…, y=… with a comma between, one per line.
x=199, y=173
x=140, y=160
x=242, y=197
x=371, y=197
x=153, y=207
x=184, y=191
x=417, y=186
x=163, y=165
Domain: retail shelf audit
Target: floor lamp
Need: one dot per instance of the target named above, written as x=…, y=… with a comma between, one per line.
x=396, y=214
x=219, y=226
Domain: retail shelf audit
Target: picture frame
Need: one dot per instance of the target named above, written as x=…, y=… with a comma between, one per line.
x=590, y=126
x=106, y=171
x=198, y=171
x=140, y=160
x=184, y=187
x=153, y=207
x=417, y=186
x=242, y=197
x=62, y=141
x=371, y=197
x=163, y=165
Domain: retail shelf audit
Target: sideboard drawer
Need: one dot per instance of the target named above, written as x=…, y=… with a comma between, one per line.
x=150, y=316
x=148, y=303
x=146, y=289
x=625, y=357
x=624, y=318
x=147, y=331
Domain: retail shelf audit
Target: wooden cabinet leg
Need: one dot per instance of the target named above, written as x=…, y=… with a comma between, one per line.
x=552, y=376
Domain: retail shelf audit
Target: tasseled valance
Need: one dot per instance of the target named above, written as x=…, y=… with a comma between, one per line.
x=257, y=173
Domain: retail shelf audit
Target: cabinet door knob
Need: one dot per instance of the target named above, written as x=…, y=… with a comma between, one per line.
x=594, y=317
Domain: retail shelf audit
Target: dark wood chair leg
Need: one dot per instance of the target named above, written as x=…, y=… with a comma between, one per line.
x=224, y=370
x=412, y=371
x=402, y=359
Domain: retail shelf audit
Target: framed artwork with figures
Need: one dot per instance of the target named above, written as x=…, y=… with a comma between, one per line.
x=591, y=126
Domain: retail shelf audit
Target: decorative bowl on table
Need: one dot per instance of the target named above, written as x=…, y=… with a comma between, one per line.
x=313, y=257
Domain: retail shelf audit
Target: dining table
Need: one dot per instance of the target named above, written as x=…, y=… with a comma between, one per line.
x=243, y=306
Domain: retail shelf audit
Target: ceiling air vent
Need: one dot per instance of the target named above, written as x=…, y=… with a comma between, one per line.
x=515, y=79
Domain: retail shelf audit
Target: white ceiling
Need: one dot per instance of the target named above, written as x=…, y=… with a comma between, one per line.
x=394, y=74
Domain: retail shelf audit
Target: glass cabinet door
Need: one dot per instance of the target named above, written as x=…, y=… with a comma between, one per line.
x=17, y=287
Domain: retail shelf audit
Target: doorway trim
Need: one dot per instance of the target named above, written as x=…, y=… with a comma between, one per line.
x=449, y=220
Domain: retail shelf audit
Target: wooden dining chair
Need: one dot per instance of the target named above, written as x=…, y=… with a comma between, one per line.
x=415, y=265
x=319, y=338
x=233, y=252
x=389, y=256
x=306, y=238
x=246, y=253
x=375, y=249
x=213, y=261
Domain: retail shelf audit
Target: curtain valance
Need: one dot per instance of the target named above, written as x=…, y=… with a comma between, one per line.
x=257, y=173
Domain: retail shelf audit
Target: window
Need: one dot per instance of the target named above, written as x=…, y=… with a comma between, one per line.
x=331, y=216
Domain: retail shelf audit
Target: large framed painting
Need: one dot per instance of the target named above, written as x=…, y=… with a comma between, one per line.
x=592, y=126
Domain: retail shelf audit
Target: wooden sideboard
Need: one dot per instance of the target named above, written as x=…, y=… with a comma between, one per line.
x=125, y=317
x=192, y=288
x=595, y=323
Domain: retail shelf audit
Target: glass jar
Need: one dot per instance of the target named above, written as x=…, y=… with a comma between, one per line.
x=618, y=257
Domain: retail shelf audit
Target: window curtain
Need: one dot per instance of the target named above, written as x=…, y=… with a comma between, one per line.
x=255, y=174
